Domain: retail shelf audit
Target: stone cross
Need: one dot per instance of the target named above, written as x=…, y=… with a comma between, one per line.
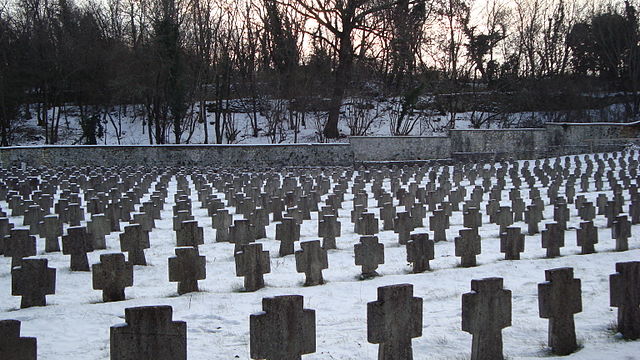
x=467, y=246
x=190, y=234
x=472, y=218
x=587, y=237
x=14, y=347
x=532, y=216
x=77, y=243
x=512, y=243
x=288, y=232
x=387, y=214
x=625, y=295
x=559, y=297
x=112, y=213
x=418, y=213
x=311, y=260
x=112, y=275
x=98, y=228
x=5, y=230
x=252, y=263
x=33, y=280
x=18, y=245
x=634, y=210
x=186, y=268
x=439, y=223
x=180, y=217
x=393, y=320
x=492, y=209
x=33, y=215
x=260, y=220
x=329, y=229
x=146, y=220
x=621, y=231
x=402, y=226
x=552, y=239
x=284, y=330
x=149, y=333
x=601, y=203
x=610, y=213
x=518, y=207
x=221, y=221
x=504, y=218
x=587, y=211
x=76, y=214
x=133, y=241
x=561, y=215
x=486, y=310
x=357, y=211
x=419, y=251
x=368, y=224
x=369, y=254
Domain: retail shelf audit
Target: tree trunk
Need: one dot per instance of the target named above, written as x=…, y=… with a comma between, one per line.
x=343, y=75
x=203, y=118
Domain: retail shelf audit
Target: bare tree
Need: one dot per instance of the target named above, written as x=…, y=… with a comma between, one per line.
x=340, y=18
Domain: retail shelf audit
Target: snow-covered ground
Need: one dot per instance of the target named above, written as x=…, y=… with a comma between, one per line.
x=75, y=323
x=125, y=125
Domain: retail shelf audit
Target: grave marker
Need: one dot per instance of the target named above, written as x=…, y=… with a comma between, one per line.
x=112, y=275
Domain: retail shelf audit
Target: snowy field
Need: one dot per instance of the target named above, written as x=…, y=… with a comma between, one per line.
x=75, y=323
x=125, y=125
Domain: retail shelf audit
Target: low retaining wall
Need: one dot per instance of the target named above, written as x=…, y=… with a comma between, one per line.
x=575, y=138
x=464, y=145
x=399, y=148
x=498, y=143
x=171, y=155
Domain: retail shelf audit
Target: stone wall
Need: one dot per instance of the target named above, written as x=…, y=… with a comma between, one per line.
x=498, y=143
x=399, y=148
x=555, y=139
x=575, y=138
x=168, y=155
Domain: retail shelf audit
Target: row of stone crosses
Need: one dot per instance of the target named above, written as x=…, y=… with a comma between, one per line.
x=111, y=198
x=285, y=330
x=112, y=195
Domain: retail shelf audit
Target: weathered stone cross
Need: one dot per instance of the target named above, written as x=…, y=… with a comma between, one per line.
x=288, y=232
x=625, y=295
x=393, y=320
x=190, y=234
x=18, y=245
x=77, y=243
x=133, y=241
x=186, y=268
x=311, y=260
x=439, y=223
x=621, y=231
x=14, y=347
x=284, y=330
x=512, y=243
x=467, y=246
x=33, y=280
x=149, y=333
x=486, y=310
x=552, y=239
x=587, y=237
x=369, y=254
x=559, y=298
x=112, y=275
x=329, y=229
x=419, y=251
x=252, y=263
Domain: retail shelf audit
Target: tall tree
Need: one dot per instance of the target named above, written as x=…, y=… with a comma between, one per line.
x=340, y=18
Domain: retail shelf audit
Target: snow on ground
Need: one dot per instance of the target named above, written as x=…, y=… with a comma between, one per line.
x=128, y=128
x=75, y=323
